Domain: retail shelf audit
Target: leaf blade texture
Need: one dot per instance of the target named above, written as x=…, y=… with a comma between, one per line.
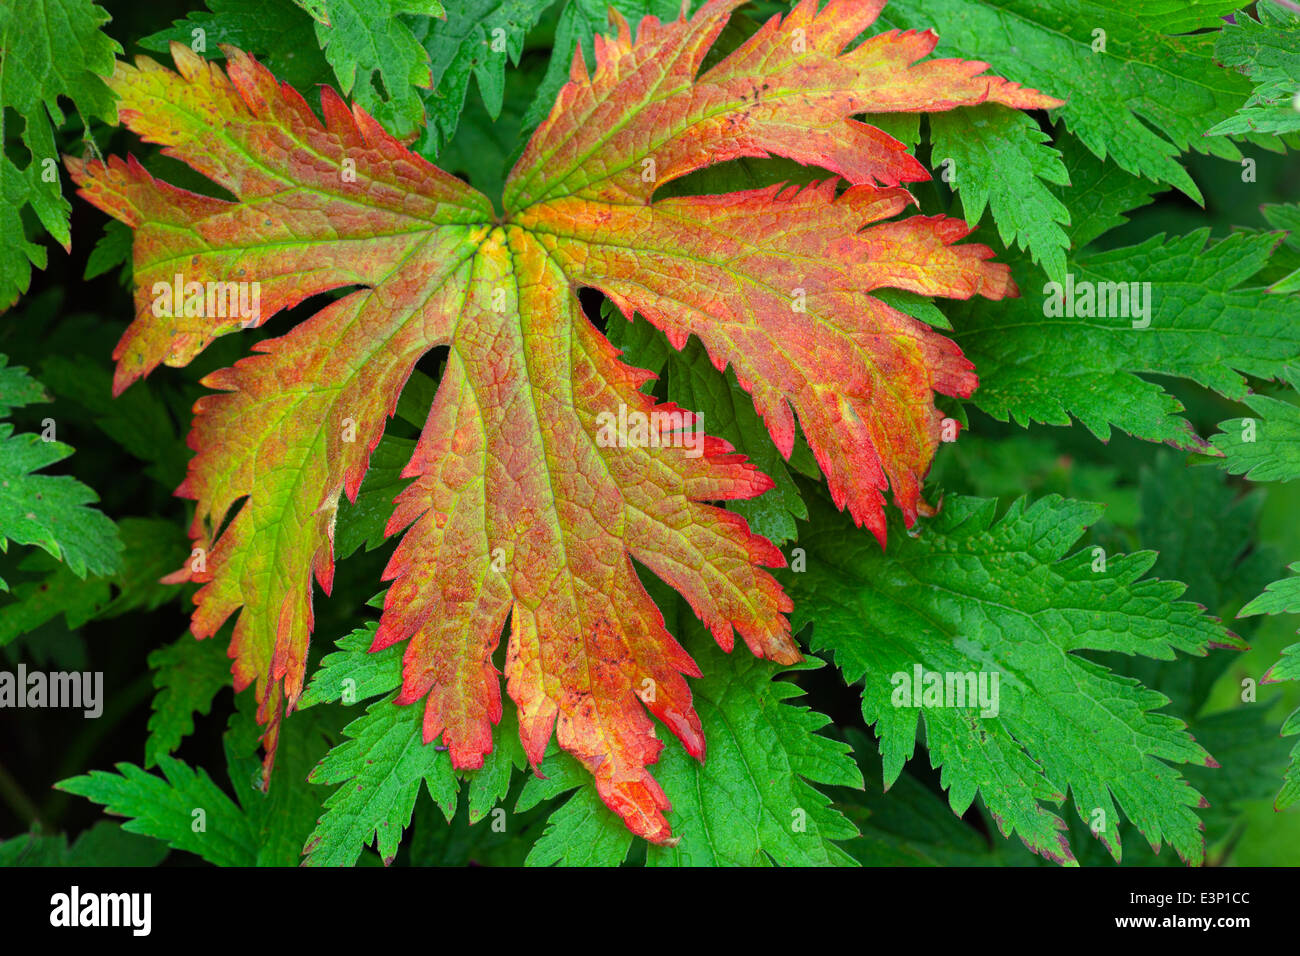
x=48, y=49
x=1004, y=600
x=520, y=510
x=51, y=512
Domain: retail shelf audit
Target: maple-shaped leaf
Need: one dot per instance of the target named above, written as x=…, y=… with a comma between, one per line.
x=542, y=471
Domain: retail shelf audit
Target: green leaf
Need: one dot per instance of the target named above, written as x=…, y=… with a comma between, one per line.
x=1280, y=597
x=385, y=794
x=1202, y=529
x=581, y=831
x=580, y=22
x=504, y=841
x=908, y=824
x=1268, y=51
x=352, y=674
x=998, y=158
x=363, y=521
x=728, y=412
x=381, y=768
x=1266, y=447
x=56, y=590
x=1285, y=267
x=1099, y=194
x=1283, y=597
x=476, y=39
x=490, y=784
x=1194, y=323
x=1251, y=759
x=48, y=511
x=1206, y=534
x=997, y=465
x=972, y=596
x=186, y=810
x=138, y=420
x=373, y=48
x=380, y=804
x=484, y=145
x=278, y=31
x=112, y=250
x=1289, y=795
x=751, y=803
x=104, y=844
x=1139, y=78
x=17, y=388
x=283, y=814
x=152, y=549
x=188, y=675
x=48, y=49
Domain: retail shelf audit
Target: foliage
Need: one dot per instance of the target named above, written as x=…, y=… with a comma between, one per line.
x=1062, y=400
x=48, y=49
